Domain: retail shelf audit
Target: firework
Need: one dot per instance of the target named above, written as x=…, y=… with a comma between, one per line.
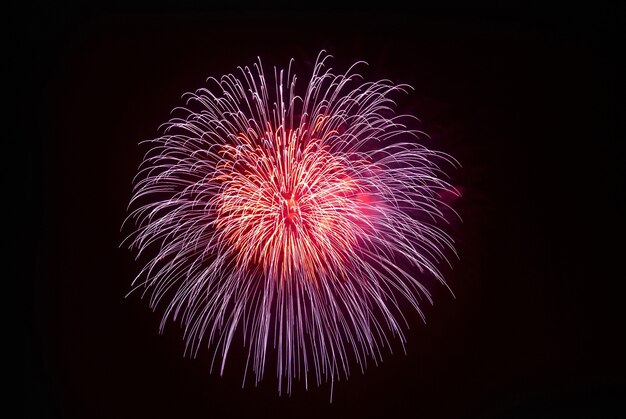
x=301, y=222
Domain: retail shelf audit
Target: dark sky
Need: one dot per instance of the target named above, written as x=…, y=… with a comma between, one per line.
x=525, y=99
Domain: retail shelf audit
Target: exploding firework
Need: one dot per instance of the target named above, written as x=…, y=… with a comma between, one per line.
x=299, y=221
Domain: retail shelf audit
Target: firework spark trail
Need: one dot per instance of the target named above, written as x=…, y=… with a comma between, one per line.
x=300, y=221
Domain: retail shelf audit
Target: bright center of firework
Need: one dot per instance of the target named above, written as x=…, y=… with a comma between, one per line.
x=289, y=209
x=288, y=204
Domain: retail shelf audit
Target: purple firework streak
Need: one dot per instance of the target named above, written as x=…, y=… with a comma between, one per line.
x=303, y=221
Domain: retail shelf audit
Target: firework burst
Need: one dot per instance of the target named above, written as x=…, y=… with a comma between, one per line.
x=301, y=221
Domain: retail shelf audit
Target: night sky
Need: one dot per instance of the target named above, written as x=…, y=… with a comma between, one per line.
x=525, y=99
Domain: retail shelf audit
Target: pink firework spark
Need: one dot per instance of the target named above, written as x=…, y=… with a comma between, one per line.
x=299, y=221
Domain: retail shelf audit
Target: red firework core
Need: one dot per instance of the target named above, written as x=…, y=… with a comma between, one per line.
x=288, y=204
x=290, y=209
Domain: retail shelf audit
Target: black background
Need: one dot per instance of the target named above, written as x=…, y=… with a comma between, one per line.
x=526, y=100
